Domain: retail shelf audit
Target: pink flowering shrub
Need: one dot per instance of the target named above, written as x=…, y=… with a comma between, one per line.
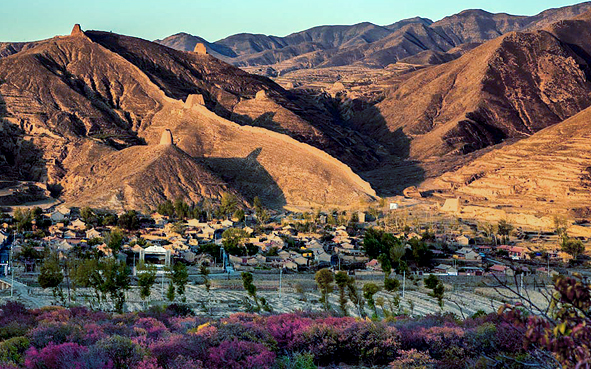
x=510, y=337
x=15, y=320
x=413, y=359
x=164, y=338
x=248, y=331
x=147, y=330
x=63, y=356
x=182, y=324
x=349, y=340
x=54, y=314
x=179, y=347
x=286, y=328
x=54, y=332
x=240, y=355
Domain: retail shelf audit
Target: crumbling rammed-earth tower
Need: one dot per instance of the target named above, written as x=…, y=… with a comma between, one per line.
x=194, y=100
x=200, y=49
x=77, y=30
x=261, y=95
x=166, y=139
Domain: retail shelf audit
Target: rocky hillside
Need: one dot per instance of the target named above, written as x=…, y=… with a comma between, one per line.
x=369, y=44
x=505, y=89
x=549, y=172
x=77, y=111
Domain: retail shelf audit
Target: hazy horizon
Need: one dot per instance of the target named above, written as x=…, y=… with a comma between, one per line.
x=28, y=20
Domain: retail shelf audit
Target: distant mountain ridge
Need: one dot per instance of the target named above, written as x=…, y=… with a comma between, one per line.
x=369, y=44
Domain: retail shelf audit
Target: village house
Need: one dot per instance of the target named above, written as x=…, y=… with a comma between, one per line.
x=77, y=225
x=445, y=270
x=373, y=265
x=69, y=234
x=462, y=241
x=227, y=223
x=60, y=214
x=515, y=252
x=470, y=271
x=156, y=255
x=545, y=272
x=468, y=254
x=498, y=269
x=341, y=231
x=93, y=233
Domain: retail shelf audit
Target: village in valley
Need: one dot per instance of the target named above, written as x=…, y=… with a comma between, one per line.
x=393, y=245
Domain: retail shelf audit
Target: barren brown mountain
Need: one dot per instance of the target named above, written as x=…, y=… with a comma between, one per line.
x=86, y=104
x=508, y=88
x=549, y=172
x=83, y=115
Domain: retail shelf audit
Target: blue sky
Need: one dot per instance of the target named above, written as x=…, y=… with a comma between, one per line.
x=24, y=20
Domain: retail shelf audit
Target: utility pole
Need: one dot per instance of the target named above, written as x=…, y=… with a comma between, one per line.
x=162, y=289
x=280, y=277
x=403, y=282
x=11, y=272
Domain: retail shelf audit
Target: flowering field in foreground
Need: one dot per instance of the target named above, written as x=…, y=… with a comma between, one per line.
x=56, y=337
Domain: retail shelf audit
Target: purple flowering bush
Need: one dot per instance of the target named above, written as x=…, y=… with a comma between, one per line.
x=163, y=338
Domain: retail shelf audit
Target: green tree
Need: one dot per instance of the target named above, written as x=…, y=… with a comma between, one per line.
x=114, y=240
x=263, y=217
x=180, y=277
x=29, y=256
x=258, y=205
x=391, y=284
x=115, y=281
x=330, y=219
x=433, y=283
x=170, y=292
x=23, y=220
x=87, y=274
x=377, y=242
x=369, y=290
x=561, y=226
x=110, y=219
x=504, y=229
x=572, y=247
x=250, y=288
x=239, y=215
x=490, y=230
x=356, y=297
x=324, y=279
x=166, y=208
x=420, y=252
x=342, y=279
x=146, y=279
x=229, y=204
x=181, y=209
x=129, y=221
x=385, y=263
x=233, y=241
x=51, y=275
x=88, y=216
x=205, y=273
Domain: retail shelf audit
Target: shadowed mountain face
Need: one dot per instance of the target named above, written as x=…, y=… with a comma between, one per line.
x=369, y=44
